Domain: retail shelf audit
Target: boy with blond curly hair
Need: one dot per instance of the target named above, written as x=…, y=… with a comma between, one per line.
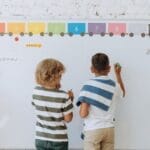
x=53, y=107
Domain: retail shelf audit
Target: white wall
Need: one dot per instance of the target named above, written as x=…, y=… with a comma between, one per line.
x=86, y=10
x=17, y=82
x=74, y=9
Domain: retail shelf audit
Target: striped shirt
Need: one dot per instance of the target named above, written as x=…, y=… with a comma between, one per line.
x=102, y=94
x=98, y=92
x=50, y=108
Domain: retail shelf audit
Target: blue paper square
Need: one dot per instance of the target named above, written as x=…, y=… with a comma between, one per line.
x=76, y=28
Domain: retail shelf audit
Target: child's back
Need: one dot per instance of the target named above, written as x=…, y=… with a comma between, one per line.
x=97, y=102
x=52, y=107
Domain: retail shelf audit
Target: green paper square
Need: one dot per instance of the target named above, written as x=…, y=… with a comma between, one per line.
x=56, y=28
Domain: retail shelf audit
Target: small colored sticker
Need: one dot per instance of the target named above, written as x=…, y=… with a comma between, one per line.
x=16, y=39
x=36, y=45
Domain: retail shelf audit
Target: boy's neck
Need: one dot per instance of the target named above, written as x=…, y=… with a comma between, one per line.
x=51, y=87
x=101, y=74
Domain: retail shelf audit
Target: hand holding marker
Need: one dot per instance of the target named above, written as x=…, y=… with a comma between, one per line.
x=117, y=65
x=117, y=68
x=71, y=95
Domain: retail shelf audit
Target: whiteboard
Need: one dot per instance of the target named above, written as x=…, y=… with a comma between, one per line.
x=17, y=67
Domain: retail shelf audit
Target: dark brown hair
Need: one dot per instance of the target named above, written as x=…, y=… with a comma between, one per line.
x=100, y=61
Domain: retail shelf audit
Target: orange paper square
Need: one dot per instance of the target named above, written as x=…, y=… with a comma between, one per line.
x=16, y=28
x=2, y=27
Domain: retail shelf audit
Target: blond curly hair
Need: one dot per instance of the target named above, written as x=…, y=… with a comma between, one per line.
x=48, y=70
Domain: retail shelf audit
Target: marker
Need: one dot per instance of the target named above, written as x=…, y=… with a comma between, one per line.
x=118, y=65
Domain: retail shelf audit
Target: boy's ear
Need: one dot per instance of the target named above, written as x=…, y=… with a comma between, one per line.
x=109, y=67
x=92, y=69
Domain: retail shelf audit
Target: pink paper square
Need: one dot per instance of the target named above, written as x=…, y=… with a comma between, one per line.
x=116, y=28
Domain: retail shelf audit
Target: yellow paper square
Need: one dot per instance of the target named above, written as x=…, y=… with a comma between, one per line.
x=36, y=28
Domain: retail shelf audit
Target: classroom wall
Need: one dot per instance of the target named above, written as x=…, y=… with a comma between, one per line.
x=17, y=66
x=74, y=9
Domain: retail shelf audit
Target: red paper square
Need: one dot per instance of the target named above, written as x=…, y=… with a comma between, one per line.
x=2, y=27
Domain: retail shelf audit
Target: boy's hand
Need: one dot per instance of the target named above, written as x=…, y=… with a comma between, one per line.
x=117, y=68
x=71, y=95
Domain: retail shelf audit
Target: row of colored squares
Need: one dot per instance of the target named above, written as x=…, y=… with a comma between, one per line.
x=74, y=28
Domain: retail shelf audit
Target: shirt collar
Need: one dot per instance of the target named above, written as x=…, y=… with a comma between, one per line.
x=102, y=77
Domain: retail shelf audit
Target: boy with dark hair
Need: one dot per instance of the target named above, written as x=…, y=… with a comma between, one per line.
x=97, y=102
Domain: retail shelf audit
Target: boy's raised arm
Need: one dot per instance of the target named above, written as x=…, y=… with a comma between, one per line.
x=117, y=69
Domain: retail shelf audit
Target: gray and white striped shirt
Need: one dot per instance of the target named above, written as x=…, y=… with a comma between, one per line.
x=50, y=108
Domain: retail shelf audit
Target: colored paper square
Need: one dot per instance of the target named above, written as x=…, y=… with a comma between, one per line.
x=137, y=28
x=56, y=28
x=36, y=27
x=117, y=28
x=2, y=27
x=76, y=28
x=97, y=28
x=15, y=28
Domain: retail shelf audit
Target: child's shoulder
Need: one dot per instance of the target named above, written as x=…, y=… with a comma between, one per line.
x=103, y=79
x=56, y=93
x=37, y=87
x=41, y=88
x=62, y=91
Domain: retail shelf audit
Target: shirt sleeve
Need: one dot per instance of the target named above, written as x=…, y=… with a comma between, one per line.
x=32, y=102
x=32, y=98
x=84, y=94
x=67, y=107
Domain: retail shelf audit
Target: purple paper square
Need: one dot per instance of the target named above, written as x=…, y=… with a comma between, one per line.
x=97, y=28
